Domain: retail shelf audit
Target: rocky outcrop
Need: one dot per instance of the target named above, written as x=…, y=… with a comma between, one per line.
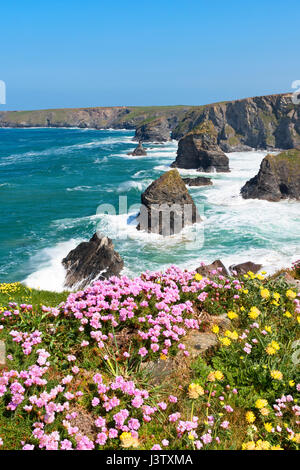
x=263, y=122
x=198, y=181
x=91, y=261
x=216, y=266
x=278, y=178
x=199, y=150
x=156, y=130
x=167, y=206
x=138, y=151
x=244, y=268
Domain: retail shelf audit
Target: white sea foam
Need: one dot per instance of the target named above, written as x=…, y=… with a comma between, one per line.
x=50, y=274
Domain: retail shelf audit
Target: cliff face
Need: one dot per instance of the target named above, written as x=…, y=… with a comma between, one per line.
x=278, y=178
x=199, y=149
x=261, y=122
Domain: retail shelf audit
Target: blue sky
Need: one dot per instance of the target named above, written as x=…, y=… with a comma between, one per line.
x=105, y=53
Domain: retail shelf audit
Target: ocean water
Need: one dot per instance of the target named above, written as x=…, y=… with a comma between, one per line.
x=53, y=180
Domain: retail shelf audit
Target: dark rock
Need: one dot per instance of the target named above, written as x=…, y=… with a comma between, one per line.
x=216, y=265
x=244, y=268
x=91, y=261
x=156, y=130
x=138, y=151
x=167, y=206
x=198, y=181
x=199, y=150
x=278, y=178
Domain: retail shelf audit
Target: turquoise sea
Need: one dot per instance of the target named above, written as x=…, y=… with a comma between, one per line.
x=53, y=180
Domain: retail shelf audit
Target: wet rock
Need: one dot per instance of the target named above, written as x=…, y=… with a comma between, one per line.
x=167, y=207
x=199, y=150
x=206, y=270
x=91, y=261
x=244, y=268
x=278, y=178
x=198, y=181
x=139, y=150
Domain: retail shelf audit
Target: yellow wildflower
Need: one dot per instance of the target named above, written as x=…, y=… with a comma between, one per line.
x=219, y=375
x=195, y=390
x=268, y=427
x=261, y=403
x=232, y=315
x=128, y=441
x=215, y=329
x=291, y=295
x=198, y=277
x=250, y=417
x=250, y=445
x=276, y=374
x=225, y=341
x=254, y=313
x=265, y=411
x=265, y=293
x=262, y=445
x=287, y=314
x=292, y=383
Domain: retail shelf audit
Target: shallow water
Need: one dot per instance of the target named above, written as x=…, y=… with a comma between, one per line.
x=53, y=180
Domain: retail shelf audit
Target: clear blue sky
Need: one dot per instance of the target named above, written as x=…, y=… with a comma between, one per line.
x=101, y=53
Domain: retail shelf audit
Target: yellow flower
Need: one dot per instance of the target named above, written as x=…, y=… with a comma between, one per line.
x=268, y=329
x=275, y=345
x=261, y=403
x=198, y=277
x=232, y=315
x=195, y=390
x=265, y=293
x=163, y=357
x=250, y=445
x=272, y=348
x=298, y=319
x=215, y=329
x=245, y=291
x=276, y=296
x=268, y=427
x=225, y=341
x=292, y=383
x=219, y=375
x=211, y=377
x=276, y=447
x=291, y=295
x=254, y=313
x=276, y=374
x=287, y=314
x=270, y=351
x=128, y=441
x=250, y=417
x=231, y=334
x=191, y=436
x=262, y=445
x=265, y=411
x=260, y=277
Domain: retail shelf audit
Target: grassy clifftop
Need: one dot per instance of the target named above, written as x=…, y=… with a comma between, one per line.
x=168, y=361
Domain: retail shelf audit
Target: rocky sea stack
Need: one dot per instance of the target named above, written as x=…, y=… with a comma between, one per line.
x=198, y=181
x=91, y=261
x=199, y=150
x=138, y=151
x=278, y=178
x=167, y=206
x=156, y=130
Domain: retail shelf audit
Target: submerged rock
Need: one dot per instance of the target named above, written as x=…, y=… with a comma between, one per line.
x=156, y=130
x=198, y=181
x=244, y=268
x=199, y=150
x=91, y=261
x=138, y=151
x=167, y=206
x=278, y=178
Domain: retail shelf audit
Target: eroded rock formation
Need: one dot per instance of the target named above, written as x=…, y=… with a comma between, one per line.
x=91, y=261
x=278, y=178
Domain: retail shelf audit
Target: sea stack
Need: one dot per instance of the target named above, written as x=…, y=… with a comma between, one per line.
x=278, y=178
x=91, y=261
x=199, y=150
x=139, y=150
x=167, y=206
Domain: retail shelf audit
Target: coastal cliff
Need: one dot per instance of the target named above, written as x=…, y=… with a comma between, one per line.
x=270, y=122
